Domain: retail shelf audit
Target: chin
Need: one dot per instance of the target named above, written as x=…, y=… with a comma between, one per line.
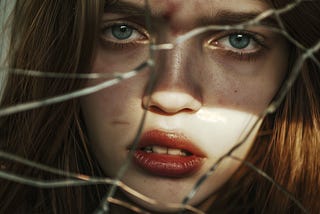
x=162, y=194
x=156, y=206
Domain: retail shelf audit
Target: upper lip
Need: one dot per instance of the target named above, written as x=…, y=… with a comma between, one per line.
x=175, y=140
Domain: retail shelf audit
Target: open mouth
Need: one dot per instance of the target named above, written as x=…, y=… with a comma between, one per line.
x=166, y=150
x=168, y=155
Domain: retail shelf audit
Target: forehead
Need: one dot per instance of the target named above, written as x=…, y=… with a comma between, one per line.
x=193, y=7
x=184, y=13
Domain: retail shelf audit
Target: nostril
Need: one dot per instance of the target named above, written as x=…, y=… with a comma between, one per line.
x=171, y=102
x=158, y=110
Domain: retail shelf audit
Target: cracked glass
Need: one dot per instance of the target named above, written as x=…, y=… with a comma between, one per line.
x=151, y=106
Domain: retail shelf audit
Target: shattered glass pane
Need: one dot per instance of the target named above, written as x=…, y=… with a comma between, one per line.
x=234, y=61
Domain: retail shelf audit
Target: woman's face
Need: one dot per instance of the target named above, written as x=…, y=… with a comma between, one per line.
x=206, y=96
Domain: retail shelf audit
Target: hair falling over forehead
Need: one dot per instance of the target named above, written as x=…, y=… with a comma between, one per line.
x=59, y=36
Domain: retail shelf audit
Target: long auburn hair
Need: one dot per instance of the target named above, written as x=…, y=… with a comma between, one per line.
x=52, y=36
x=59, y=36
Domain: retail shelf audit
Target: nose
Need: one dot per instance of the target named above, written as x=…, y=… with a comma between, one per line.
x=175, y=89
x=168, y=102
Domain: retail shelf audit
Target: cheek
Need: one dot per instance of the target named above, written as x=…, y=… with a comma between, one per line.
x=245, y=86
x=115, y=104
x=117, y=60
x=103, y=112
x=114, y=101
x=104, y=104
x=113, y=111
x=219, y=129
x=112, y=116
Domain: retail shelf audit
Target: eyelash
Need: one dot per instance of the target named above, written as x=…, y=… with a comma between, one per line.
x=212, y=43
x=117, y=43
x=240, y=54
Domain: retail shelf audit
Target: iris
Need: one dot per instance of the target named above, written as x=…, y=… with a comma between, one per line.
x=239, y=41
x=121, y=32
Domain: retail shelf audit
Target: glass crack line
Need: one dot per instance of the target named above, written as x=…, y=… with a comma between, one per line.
x=82, y=92
x=268, y=178
x=35, y=73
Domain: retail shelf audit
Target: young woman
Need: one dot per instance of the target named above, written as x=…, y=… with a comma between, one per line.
x=205, y=94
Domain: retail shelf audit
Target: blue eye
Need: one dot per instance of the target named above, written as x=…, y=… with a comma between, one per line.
x=121, y=32
x=239, y=41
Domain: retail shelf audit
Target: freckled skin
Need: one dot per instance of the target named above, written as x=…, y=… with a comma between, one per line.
x=211, y=97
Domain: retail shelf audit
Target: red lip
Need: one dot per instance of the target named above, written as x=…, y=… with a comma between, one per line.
x=168, y=165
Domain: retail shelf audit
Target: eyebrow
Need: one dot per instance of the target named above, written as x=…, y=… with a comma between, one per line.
x=222, y=17
x=227, y=17
x=124, y=7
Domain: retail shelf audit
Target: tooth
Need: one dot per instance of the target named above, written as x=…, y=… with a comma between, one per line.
x=174, y=151
x=159, y=150
x=148, y=149
x=183, y=153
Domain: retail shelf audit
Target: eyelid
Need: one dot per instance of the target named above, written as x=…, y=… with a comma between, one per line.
x=141, y=30
x=261, y=45
x=256, y=37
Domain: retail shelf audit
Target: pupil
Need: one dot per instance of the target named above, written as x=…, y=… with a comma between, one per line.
x=121, y=32
x=239, y=41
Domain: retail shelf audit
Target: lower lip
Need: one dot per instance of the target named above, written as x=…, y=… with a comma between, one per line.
x=168, y=165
